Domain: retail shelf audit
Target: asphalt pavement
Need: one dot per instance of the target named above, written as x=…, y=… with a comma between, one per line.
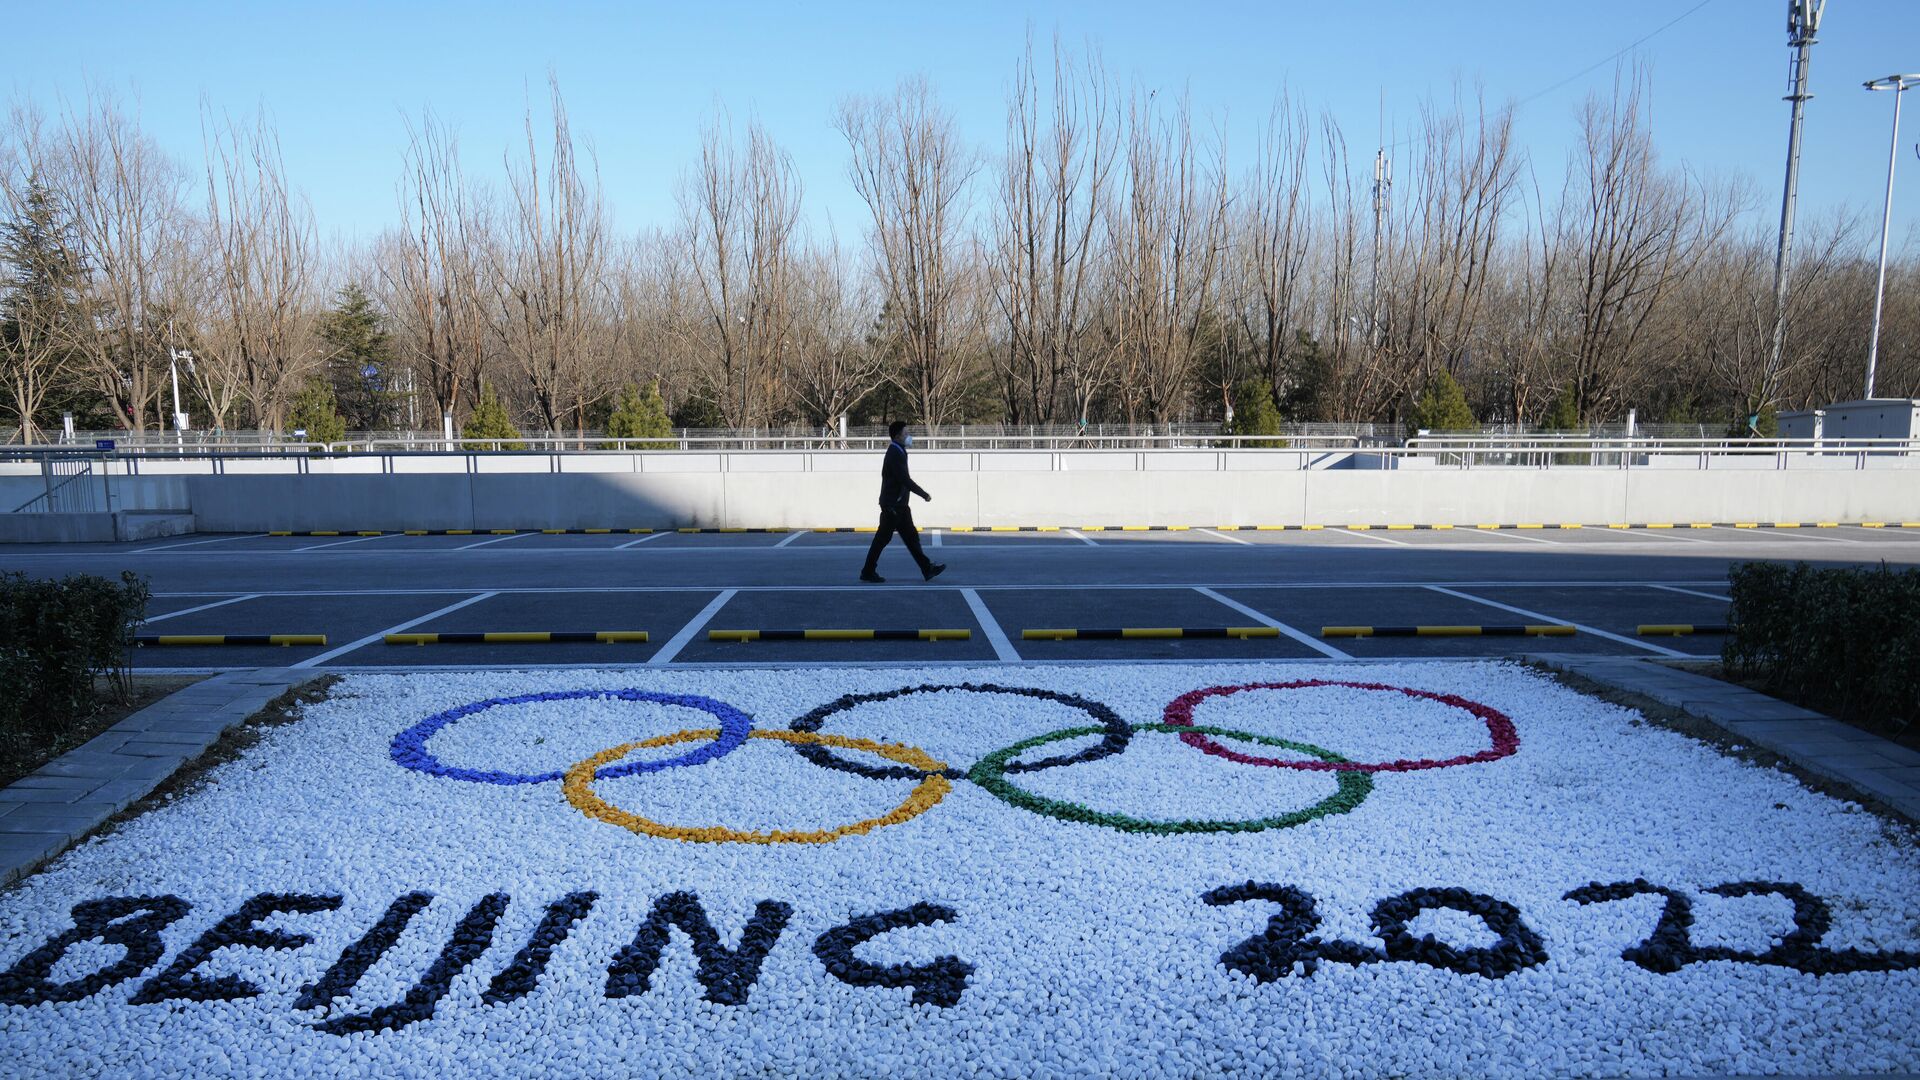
x=676, y=587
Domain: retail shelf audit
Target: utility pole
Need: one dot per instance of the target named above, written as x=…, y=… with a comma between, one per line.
x=1803, y=21
x=1382, y=194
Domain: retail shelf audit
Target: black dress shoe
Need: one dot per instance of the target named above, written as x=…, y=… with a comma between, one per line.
x=933, y=571
x=868, y=575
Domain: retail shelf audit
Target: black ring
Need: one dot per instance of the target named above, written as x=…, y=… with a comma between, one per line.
x=1118, y=733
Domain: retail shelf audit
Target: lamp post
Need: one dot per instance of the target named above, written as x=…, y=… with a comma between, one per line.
x=1898, y=84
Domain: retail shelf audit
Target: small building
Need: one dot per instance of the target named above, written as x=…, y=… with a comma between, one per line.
x=1875, y=418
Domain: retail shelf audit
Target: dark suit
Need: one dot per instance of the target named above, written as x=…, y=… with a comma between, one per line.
x=896, y=484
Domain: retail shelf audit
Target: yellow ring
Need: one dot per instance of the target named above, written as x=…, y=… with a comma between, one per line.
x=578, y=786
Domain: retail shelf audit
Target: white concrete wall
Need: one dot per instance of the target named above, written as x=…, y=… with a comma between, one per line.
x=801, y=490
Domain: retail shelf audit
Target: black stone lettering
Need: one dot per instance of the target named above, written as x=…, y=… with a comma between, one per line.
x=1271, y=954
x=471, y=937
x=178, y=981
x=939, y=982
x=519, y=978
x=727, y=974
x=131, y=922
x=340, y=979
x=1518, y=948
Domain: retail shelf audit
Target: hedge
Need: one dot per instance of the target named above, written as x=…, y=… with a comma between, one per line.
x=56, y=637
x=1845, y=642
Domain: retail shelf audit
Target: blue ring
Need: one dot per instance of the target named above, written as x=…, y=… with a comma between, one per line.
x=410, y=751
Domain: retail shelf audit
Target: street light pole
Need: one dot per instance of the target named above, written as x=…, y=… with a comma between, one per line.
x=1898, y=84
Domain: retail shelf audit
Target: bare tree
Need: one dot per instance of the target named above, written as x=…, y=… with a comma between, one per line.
x=548, y=275
x=910, y=167
x=430, y=267
x=833, y=365
x=1168, y=235
x=125, y=197
x=1275, y=230
x=1048, y=243
x=741, y=213
x=42, y=310
x=263, y=251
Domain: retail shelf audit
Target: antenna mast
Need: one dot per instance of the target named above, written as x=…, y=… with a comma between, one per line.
x=1803, y=22
x=1382, y=192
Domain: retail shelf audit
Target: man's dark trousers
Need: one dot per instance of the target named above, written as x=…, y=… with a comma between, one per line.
x=896, y=519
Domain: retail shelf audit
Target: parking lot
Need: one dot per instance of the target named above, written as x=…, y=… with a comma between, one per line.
x=677, y=587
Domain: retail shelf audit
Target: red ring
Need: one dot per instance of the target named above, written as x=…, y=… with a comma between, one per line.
x=1179, y=711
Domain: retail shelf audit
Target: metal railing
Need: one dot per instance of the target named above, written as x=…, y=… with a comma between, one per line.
x=70, y=486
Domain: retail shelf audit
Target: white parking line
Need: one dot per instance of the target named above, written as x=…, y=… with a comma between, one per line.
x=790, y=539
x=495, y=540
x=1524, y=613
x=1507, y=535
x=337, y=543
x=194, y=543
x=1229, y=539
x=316, y=661
x=694, y=625
x=642, y=540
x=1663, y=534
x=936, y=538
x=1003, y=649
x=1082, y=537
x=1308, y=640
x=1690, y=592
x=202, y=607
x=1789, y=534
x=1369, y=536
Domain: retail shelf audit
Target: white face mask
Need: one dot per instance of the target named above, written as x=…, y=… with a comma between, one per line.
x=906, y=440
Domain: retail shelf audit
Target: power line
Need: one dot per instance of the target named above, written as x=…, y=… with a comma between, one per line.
x=1591, y=68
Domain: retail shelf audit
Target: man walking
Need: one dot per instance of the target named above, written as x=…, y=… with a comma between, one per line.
x=895, y=515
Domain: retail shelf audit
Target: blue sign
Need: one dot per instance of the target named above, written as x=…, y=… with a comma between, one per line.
x=103, y=444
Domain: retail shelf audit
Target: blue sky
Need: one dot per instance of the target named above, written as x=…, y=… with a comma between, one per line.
x=641, y=78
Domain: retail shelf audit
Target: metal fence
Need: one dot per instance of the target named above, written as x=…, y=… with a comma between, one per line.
x=75, y=483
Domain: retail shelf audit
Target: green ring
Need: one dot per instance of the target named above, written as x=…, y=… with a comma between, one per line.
x=990, y=773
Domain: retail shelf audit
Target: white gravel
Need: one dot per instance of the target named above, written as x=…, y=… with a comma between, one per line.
x=1091, y=949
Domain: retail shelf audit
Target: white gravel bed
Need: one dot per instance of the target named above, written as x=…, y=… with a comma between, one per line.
x=1491, y=875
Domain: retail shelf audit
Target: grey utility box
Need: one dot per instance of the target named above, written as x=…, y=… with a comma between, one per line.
x=1877, y=418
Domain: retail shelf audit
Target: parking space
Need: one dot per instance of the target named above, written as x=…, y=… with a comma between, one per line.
x=797, y=609
x=1622, y=610
x=1311, y=609
x=660, y=614
x=342, y=619
x=1023, y=609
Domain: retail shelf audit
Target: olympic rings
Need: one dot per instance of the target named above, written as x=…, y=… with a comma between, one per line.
x=409, y=748
x=1179, y=713
x=935, y=778
x=990, y=773
x=933, y=786
x=1115, y=730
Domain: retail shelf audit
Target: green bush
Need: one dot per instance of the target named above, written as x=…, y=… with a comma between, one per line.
x=1442, y=407
x=490, y=421
x=1845, y=641
x=56, y=637
x=317, y=413
x=1256, y=413
x=638, y=414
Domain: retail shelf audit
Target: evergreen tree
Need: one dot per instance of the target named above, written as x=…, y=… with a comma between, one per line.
x=639, y=414
x=1442, y=407
x=489, y=420
x=315, y=412
x=1564, y=415
x=41, y=310
x=363, y=367
x=1254, y=413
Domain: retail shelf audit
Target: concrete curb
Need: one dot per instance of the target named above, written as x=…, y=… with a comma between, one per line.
x=45, y=813
x=1875, y=767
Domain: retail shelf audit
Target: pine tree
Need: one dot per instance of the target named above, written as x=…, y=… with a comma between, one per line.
x=490, y=421
x=315, y=412
x=41, y=309
x=1255, y=413
x=1564, y=415
x=1442, y=407
x=639, y=414
x=363, y=367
